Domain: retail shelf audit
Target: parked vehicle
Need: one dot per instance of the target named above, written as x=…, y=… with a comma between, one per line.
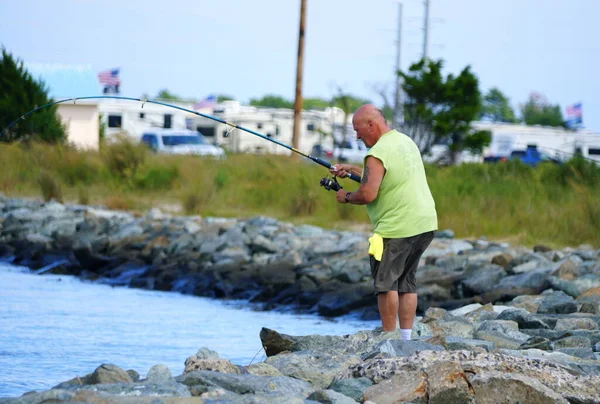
x=532, y=156
x=349, y=151
x=171, y=141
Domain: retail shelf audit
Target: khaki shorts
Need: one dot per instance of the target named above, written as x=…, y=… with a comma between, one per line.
x=398, y=266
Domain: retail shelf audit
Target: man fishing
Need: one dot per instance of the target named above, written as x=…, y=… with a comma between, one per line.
x=401, y=208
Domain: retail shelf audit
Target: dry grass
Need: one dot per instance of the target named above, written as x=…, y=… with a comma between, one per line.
x=556, y=205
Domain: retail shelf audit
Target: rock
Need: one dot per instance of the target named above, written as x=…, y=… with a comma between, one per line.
x=503, y=260
x=573, y=341
x=567, y=324
x=109, y=373
x=330, y=397
x=218, y=365
x=447, y=233
x=200, y=381
x=263, y=369
x=557, y=303
x=541, y=248
x=396, y=347
x=318, y=369
x=205, y=353
x=274, y=342
x=523, y=318
x=447, y=383
x=538, y=343
x=483, y=279
x=160, y=374
x=458, y=344
x=577, y=286
x=353, y=388
x=567, y=270
x=489, y=387
x=527, y=302
x=410, y=386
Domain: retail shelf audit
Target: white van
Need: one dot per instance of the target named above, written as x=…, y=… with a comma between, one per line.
x=174, y=141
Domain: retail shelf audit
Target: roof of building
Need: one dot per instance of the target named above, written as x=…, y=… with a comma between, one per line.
x=66, y=81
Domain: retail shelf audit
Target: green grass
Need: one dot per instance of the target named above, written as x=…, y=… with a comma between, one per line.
x=555, y=205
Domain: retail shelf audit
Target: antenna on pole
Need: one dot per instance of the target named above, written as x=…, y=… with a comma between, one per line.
x=426, y=29
x=398, y=117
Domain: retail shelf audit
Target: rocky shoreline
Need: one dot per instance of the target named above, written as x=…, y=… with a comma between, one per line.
x=497, y=321
x=475, y=354
x=278, y=265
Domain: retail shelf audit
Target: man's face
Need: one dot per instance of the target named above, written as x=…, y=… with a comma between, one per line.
x=364, y=131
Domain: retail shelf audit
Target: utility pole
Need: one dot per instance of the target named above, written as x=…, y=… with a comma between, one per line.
x=426, y=29
x=299, y=69
x=398, y=118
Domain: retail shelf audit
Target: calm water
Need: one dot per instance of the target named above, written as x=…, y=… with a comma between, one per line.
x=53, y=328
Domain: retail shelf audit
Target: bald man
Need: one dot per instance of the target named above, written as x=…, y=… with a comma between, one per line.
x=400, y=205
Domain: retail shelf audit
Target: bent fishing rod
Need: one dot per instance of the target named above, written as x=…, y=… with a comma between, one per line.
x=327, y=183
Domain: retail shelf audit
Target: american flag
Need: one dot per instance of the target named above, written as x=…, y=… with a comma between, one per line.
x=574, y=116
x=208, y=102
x=109, y=77
x=574, y=111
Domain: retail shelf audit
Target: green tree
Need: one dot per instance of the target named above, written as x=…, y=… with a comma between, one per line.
x=538, y=111
x=272, y=101
x=315, y=104
x=496, y=107
x=347, y=103
x=440, y=109
x=19, y=93
x=224, y=97
x=165, y=94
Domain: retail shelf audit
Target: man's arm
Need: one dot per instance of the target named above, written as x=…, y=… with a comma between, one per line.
x=369, y=186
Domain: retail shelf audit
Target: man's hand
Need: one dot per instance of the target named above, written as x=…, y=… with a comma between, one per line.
x=340, y=195
x=340, y=170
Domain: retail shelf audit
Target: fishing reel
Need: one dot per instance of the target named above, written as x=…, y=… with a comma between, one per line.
x=330, y=184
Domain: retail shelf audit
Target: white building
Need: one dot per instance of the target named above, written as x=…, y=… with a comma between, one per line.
x=555, y=142
x=275, y=123
x=132, y=118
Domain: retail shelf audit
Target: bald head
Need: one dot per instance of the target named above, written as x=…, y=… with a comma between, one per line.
x=369, y=124
x=369, y=112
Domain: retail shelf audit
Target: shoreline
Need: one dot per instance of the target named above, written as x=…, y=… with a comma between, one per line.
x=495, y=319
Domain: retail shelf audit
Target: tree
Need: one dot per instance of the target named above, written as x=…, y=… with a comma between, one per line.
x=538, y=111
x=271, y=101
x=439, y=109
x=316, y=104
x=224, y=97
x=347, y=103
x=165, y=94
x=496, y=107
x=20, y=93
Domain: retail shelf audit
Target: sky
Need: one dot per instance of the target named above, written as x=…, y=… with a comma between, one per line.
x=247, y=49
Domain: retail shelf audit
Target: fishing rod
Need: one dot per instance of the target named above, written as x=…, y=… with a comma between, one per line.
x=326, y=182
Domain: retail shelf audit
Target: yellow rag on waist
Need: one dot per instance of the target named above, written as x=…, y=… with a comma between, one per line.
x=376, y=246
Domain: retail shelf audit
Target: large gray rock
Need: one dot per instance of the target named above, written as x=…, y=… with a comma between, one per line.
x=201, y=381
x=489, y=387
x=397, y=347
x=353, y=388
x=109, y=373
x=483, y=279
x=523, y=318
x=330, y=397
x=405, y=387
x=557, y=303
x=317, y=368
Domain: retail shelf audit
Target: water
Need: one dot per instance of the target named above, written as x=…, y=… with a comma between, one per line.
x=53, y=328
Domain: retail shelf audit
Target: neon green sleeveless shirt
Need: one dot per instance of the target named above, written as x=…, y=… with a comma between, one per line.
x=404, y=206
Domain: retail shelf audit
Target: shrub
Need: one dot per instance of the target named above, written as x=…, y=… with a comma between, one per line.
x=50, y=187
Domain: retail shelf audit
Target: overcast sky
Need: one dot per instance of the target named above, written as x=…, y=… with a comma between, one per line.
x=248, y=48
